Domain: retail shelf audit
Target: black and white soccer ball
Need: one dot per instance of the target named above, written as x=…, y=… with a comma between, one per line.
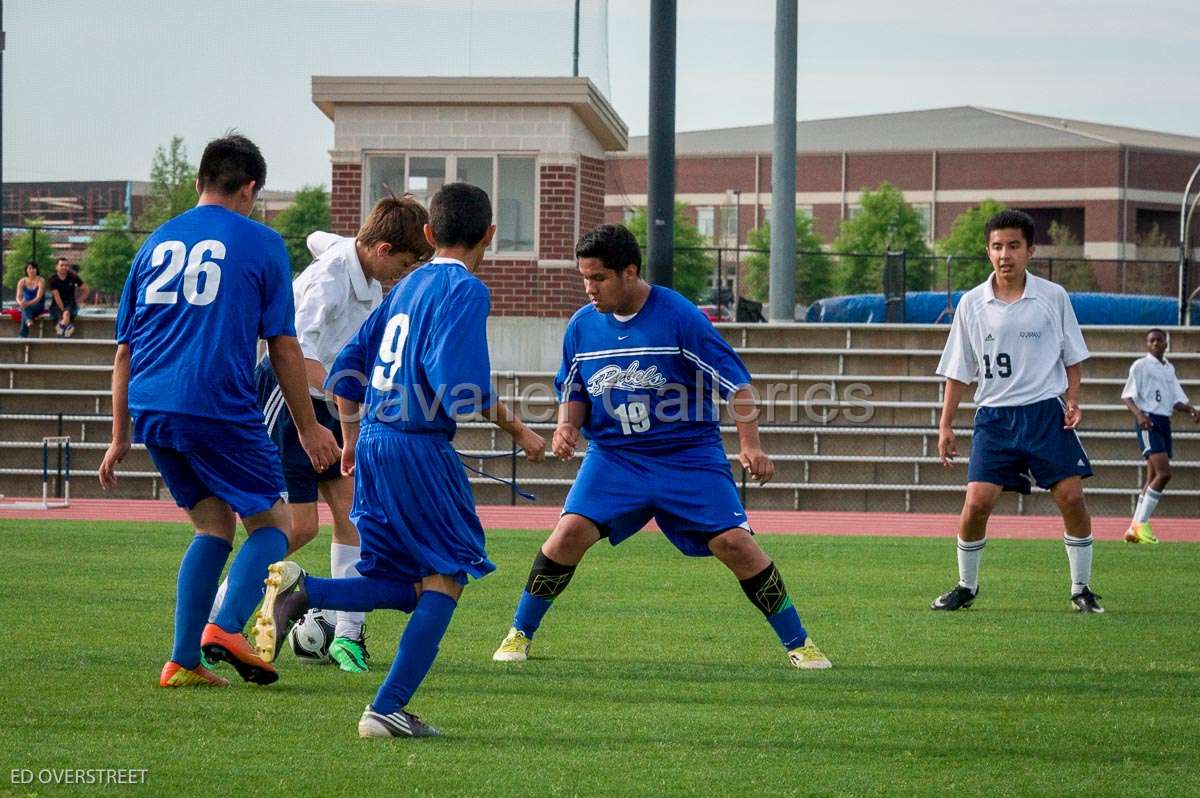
x=311, y=636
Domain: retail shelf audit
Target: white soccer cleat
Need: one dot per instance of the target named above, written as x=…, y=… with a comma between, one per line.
x=515, y=647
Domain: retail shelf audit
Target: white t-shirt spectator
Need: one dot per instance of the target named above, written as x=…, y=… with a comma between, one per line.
x=1153, y=386
x=1018, y=352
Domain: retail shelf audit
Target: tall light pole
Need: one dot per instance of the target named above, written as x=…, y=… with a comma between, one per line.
x=660, y=204
x=783, y=167
x=1185, y=227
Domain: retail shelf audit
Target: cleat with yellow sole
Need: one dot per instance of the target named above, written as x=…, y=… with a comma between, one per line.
x=175, y=675
x=285, y=602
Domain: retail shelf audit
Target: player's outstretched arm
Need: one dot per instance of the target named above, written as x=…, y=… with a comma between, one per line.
x=947, y=446
x=744, y=410
x=533, y=444
x=571, y=416
x=1072, y=415
x=288, y=362
x=120, y=413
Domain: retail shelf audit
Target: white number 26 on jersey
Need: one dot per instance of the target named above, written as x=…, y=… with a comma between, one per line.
x=394, y=335
x=202, y=260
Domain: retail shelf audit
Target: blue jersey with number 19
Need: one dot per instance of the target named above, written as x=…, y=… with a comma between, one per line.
x=421, y=358
x=649, y=381
x=201, y=291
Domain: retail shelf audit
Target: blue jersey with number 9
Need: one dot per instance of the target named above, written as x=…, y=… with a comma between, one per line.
x=421, y=358
x=201, y=291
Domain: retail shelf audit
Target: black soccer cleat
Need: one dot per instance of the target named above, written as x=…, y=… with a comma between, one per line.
x=394, y=724
x=285, y=602
x=1086, y=601
x=957, y=599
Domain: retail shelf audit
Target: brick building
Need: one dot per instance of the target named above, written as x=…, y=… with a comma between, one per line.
x=1109, y=185
x=537, y=145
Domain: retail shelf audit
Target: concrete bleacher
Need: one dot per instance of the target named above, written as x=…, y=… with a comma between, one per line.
x=850, y=417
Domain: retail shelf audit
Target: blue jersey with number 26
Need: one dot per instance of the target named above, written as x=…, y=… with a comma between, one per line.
x=201, y=291
x=421, y=358
x=649, y=381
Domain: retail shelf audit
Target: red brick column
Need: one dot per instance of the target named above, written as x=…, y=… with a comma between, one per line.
x=556, y=217
x=591, y=193
x=346, y=198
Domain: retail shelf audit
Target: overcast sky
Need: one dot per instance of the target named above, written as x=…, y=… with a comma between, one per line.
x=91, y=88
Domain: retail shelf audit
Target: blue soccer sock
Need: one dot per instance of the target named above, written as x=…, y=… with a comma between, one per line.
x=547, y=579
x=418, y=648
x=195, y=589
x=767, y=592
x=265, y=545
x=360, y=594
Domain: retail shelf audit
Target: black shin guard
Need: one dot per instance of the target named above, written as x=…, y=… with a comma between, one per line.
x=766, y=590
x=547, y=578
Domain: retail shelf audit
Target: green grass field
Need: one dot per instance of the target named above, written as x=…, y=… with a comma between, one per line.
x=652, y=676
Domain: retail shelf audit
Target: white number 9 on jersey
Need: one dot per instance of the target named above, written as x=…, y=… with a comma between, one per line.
x=390, y=348
x=173, y=254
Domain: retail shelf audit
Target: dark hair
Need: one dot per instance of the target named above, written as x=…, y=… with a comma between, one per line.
x=62, y=260
x=1158, y=330
x=460, y=215
x=1010, y=220
x=613, y=245
x=399, y=221
x=35, y=266
x=229, y=163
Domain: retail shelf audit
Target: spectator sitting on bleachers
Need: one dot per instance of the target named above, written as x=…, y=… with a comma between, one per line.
x=31, y=296
x=64, y=305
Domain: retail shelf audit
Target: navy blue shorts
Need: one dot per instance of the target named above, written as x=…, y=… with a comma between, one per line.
x=199, y=458
x=414, y=509
x=690, y=494
x=1157, y=439
x=1015, y=447
x=298, y=471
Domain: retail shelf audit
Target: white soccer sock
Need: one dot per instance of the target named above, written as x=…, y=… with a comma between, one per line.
x=218, y=601
x=1146, y=506
x=342, y=559
x=969, y=554
x=1079, y=555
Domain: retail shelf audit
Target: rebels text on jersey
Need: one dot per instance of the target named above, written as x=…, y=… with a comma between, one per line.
x=421, y=358
x=1018, y=351
x=648, y=381
x=200, y=293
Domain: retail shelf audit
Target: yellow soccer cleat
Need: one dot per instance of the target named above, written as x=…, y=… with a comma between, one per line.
x=808, y=657
x=1140, y=532
x=515, y=647
x=175, y=675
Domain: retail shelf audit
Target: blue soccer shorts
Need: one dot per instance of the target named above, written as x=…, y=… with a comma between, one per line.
x=414, y=508
x=1157, y=439
x=689, y=492
x=199, y=458
x=1015, y=447
x=298, y=470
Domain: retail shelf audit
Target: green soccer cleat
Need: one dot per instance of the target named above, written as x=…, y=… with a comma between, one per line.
x=350, y=654
x=515, y=648
x=808, y=657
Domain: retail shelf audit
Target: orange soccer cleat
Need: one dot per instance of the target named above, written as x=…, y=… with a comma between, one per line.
x=175, y=675
x=232, y=647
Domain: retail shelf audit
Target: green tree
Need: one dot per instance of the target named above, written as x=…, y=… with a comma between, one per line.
x=886, y=223
x=692, y=261
x=814, y=271
x=309, y=211
x=31, y=245
x=172, y=186
x=966, y=241
x=1069, y=269
x=106, y=262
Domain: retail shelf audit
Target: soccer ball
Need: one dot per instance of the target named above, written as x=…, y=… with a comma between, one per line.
x=311, y=636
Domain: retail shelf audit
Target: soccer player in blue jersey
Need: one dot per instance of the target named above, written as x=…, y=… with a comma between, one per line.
x=1017, y=336
x=333, y=297
x=419, y=360
x=201, y=291
x=640, y=364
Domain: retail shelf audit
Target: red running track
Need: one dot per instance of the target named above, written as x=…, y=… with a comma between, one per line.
x=765, y=521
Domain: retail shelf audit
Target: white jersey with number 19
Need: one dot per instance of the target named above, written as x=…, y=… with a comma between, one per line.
x=1017, y=351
